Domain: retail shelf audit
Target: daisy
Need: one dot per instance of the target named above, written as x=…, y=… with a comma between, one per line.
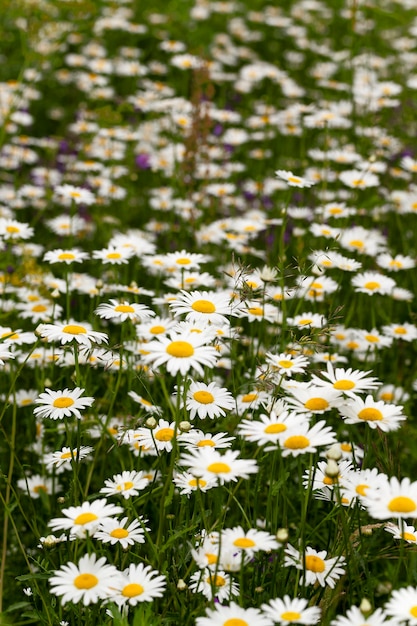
x=203, y=306
x=307, y=320
x=114, y=255
x=269, y=429
x=376, y=413
x=250, y=541
x=360, y=483
x=5, y=354
x=357, y=179
x=65, y=456
x=256, y=312
x=115, y=531
x=160, y=438
x=316, y=568
x=75, y=194
x=188, y=483
x=393, y=498
x=292, y=180
x=288, y=610
x=36, y=485
x=41, y=311
x=210, y=400
x=405, y=331
x=185, y=260
x=213, y=584
x=196, y=438
x=301, y=439
x=402, y=606
x=224, y=467
x=395, y=263
x=251, y=400
x=71, y=255
x=355, y=617
x=284, y=364
x=122, y=310
x=145, y=404
x=348, y=381
x=373, y=282
x=89, y=581
x=127, y=484
x=158, y=326
x=405, y=532
x=233, y=615
x=85, y=518
x=62, y=403
x=314, y=399
x=138, y=583
x=180, y=352
x=81, y=333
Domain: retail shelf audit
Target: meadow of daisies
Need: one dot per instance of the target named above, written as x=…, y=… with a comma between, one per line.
x=208, y=218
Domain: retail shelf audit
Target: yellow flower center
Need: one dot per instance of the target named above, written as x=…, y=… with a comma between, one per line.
x=285, y=363
x=413, y=611
x=357, y=243
x=400, y=330
x=132, y=590
x=40, y=488
x=346, y=447
x=85, y=581
x=290, y=616
x=66, y=455
x=297, y=442
x=249, y=397
x=362, y=489
x=256, y=310
x=358, y=182
x=74, y=329
x=344, y=384
x=316, y=404
x=402, y=504
x=157, y=330
x=39, y=308
x=203, y=306
x=119, y=533
x=124, y=308
x=165, y=434
x=62, y=403
x=113, y=255
x=204, y=397
x=274, y=429
x=125, y=486
x=294, y=179
x=219, y=468
x=85, y=518
x=12, y=229
x=236, y=621
x=335, y=210
x=206, y=442
x=66, y=256
x=408, y=536
x=372, y=338
x=372, y=285
x=180, y=349
x=315, y=563
x=370, y=414
x=395, y=263
x=387, y=396
x=217, y=581
x=305, y=322
x=193, y=482
x=183, y=261
x=244, y=542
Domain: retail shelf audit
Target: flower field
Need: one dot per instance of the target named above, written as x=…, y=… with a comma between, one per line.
x=208, y=380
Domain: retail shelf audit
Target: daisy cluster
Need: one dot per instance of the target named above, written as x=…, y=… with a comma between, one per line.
x=208, y=325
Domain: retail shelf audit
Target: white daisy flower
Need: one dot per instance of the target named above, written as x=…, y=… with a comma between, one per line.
x=62, y=403
x=115, y=531
x=234, y=614
x=85, y=518
x=288, y=610
x=315, y=566
x=88, y=582
x=138, y=583
x=208, y=400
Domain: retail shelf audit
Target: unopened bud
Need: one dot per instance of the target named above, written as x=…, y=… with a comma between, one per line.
x=334, y=453
x=332, y=469
x=282, y=535
x=181, y=585
x=151, y=423
x=185, y=426
x=365, y=606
